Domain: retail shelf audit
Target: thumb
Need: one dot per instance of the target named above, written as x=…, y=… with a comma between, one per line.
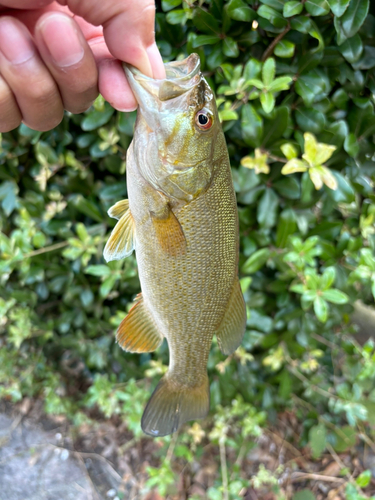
x=128, y=27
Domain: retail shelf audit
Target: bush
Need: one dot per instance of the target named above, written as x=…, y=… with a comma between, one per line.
x=295, y=85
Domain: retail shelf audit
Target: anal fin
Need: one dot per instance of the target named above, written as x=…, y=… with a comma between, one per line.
x=137, y=331
x=121, y=243
x=231, y=330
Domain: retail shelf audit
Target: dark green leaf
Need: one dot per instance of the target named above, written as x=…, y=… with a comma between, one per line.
x=304, y=495
x=310, y=120
x=177, y=16
x=251, y=126
x=275, y=128
x=355, y=15
x=286, y=226
x=205, y=40
x=167, y=5
x=267, y=208
x=272, y=15
x=351, y=145
x=288, y=187
x=240, y=11
x=346, y=438
x=344, y=192
x=352, y=49
x=95, y=119
x=126, y=123
x=205, y=22
x=230, y=47
x=338, y=7
x=317, y=440
x=292, y=8
x=317, y=7
x=284, y=49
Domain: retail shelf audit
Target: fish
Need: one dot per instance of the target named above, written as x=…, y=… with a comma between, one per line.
x=181, y=219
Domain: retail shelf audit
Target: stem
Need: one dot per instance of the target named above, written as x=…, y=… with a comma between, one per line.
x=51, y=248
x=168, y=457
x=224, y=470
x=275, y=41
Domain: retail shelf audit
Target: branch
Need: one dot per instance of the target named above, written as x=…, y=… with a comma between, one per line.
x=275, y=41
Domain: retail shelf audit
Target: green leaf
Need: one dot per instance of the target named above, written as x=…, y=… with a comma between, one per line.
x=289, y=150
x=95, y=119
x=344, y=192
x=294, y=165
x=240, y=11
x=328, y=277
x=338, y=7
x=251, y=126
x=268, y=71
x=275, y=128
x=267, y=101
x=256, y=261
x=267, y=208
x=252, y=69
x=287, y=225
x=317, y=7
x=317, y=440
x=230, y=47
x=279, y=84
x=272, y=15
x=292, y=8
x=301, y=24
x=98, y=270
x=205, y=22
x=288, y=187
x=167, y=5
x=321, y=309
x=284, y=49
x=8, y=196
x=310, y=119
x=352, y=49
x=87, y=207
x=335, y=296
x=349, y=24
x=363, y=480
x=346, y=438
x=107, y=285
x=200, y=40
x=304, y=495
x=313, y=86
x=177, y=16
x=351, y=145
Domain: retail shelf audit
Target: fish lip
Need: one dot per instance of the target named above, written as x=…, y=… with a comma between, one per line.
x=181, y=76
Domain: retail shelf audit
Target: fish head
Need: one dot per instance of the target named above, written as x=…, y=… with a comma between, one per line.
x=176, y=130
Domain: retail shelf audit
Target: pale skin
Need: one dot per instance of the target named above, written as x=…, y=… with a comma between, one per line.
x=57, y=55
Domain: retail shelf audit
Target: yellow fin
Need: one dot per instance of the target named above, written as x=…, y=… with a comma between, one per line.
x=169, y=233
x=232, y=327
x=172, y=404
x=118, y=209
x=121, y=243
x=137, y=332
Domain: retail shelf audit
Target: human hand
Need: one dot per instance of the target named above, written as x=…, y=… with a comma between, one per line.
x=57, y=55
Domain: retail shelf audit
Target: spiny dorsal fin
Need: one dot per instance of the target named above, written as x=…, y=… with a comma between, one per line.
x=169, y=233
x=137, y=332
x=232, y=327
x=172, y=404
x=121, y=243
x=118, y=209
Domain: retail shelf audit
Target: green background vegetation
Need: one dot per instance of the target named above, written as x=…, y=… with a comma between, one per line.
x=290, y=78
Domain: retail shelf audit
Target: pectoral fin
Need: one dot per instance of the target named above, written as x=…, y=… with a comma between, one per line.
x=169, y=232
x=232, y=327
x=138, y=332
x=121, y=243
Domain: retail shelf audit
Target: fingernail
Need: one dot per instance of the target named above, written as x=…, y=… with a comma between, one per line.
x=15, y=44
x=156, y=61
x=61, y=39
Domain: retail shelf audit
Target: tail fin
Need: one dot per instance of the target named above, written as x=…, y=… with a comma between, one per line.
x=171, y=405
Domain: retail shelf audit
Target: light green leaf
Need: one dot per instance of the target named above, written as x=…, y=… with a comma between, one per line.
x=321, y=309
x=294, y=165
x=289, y=150
x=258, y=163
x=279, y=84
x=328, y=277
x=310, y=147
x=256, y=83
x=177, y=16
x=98, y=270
x=292, y=8
x=335, y=296
x=363, y=480
x=268, y=71
x=267, y=101
x=256, y=261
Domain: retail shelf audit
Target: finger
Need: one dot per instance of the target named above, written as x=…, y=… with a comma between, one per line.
x=113, y=84
x=10, y=116
x=128, y=30
x=71, y=63
x=25, y=4
x=35, y=91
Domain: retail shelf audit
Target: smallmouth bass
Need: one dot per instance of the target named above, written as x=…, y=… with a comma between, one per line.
x=181, y=219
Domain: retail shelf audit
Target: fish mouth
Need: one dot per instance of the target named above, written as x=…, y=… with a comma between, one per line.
x=181, y=76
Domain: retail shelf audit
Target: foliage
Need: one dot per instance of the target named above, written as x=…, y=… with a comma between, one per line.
x=295, y=81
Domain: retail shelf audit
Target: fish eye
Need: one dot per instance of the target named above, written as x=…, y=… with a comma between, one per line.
x=203, y=119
